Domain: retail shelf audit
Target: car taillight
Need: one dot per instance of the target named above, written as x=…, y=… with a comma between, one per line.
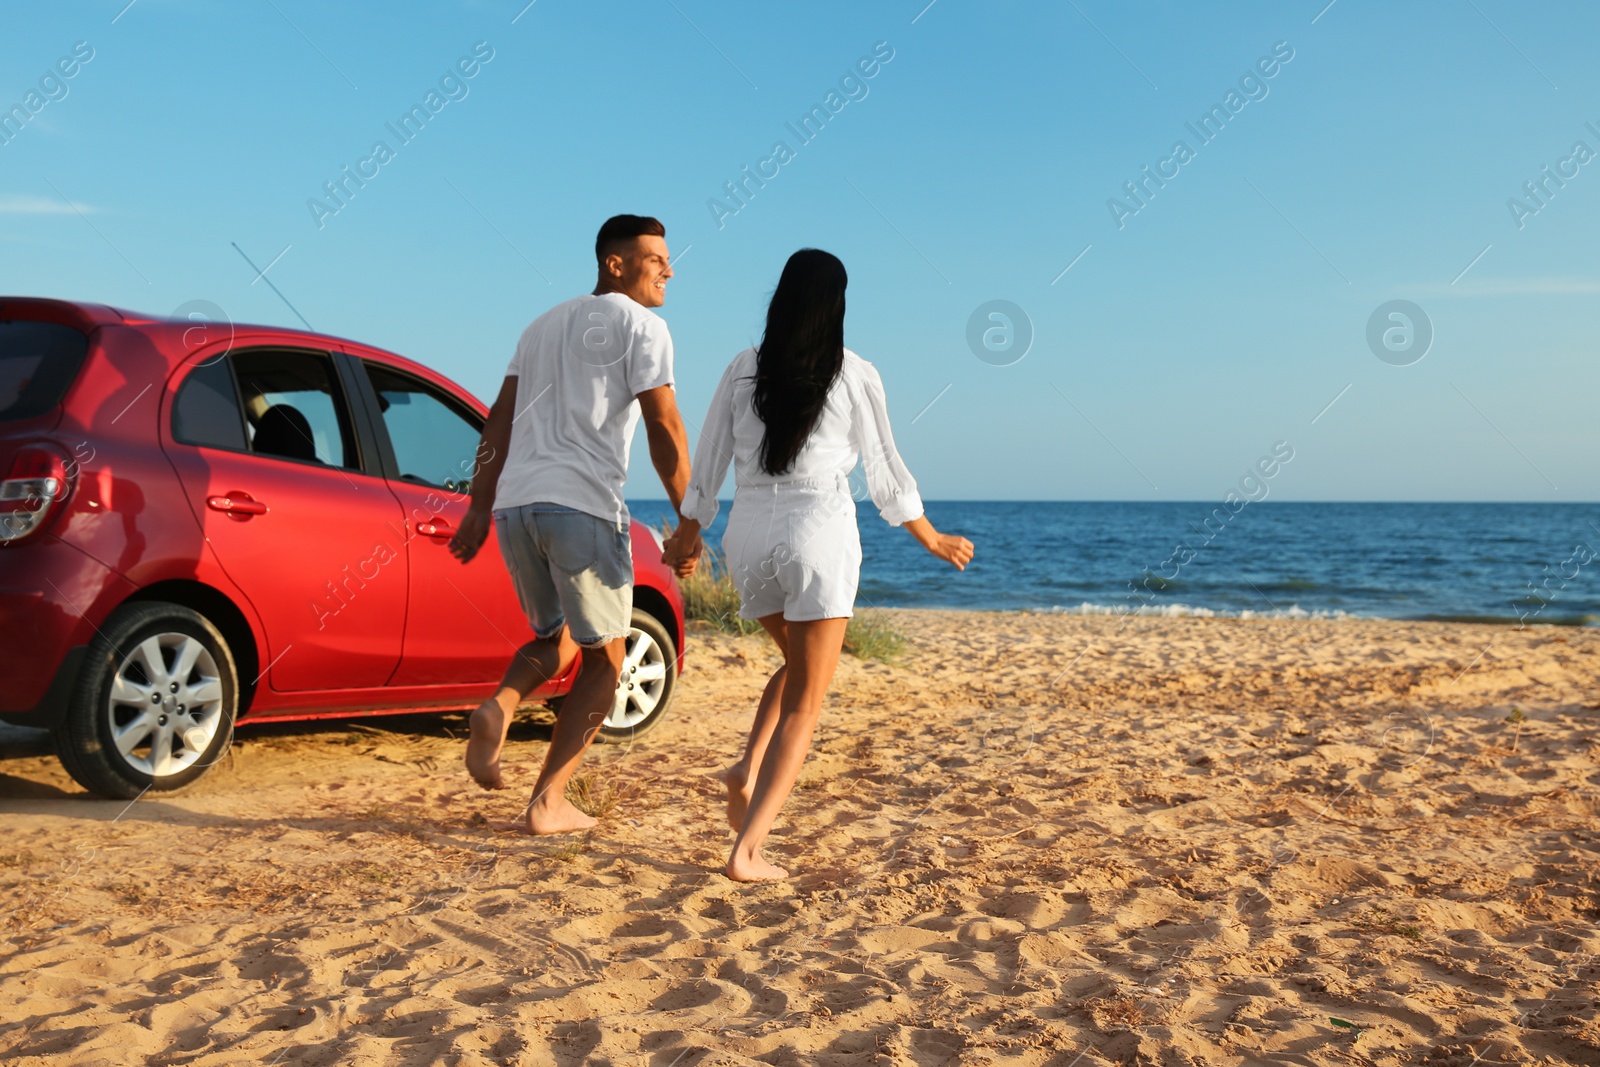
x=33, y=490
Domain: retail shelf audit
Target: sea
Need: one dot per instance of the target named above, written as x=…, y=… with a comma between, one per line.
x=1534, y=564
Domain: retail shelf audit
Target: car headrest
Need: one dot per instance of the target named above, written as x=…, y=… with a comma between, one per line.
x=284, y=431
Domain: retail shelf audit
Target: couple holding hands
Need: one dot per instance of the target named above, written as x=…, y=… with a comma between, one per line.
x=792, y=415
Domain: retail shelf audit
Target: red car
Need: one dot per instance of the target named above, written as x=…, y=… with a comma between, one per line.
x=205, y=524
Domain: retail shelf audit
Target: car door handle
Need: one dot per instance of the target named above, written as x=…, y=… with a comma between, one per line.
x=236, y=505
x=436, y=528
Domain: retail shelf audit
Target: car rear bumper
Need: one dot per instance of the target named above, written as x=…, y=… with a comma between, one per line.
x=52, y=707
x=52, y=596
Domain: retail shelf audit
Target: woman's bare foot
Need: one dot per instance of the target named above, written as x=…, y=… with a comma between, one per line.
x=753, y=868
x=488, y=724
x=559, y=817
x=737, y=780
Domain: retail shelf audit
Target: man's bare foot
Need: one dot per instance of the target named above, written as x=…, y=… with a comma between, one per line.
x=489, y=724
x=557, y=818
x=738, y=794
x=753, y=868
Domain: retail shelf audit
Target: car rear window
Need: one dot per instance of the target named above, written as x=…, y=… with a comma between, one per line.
x=38, y=361
x=206, y=411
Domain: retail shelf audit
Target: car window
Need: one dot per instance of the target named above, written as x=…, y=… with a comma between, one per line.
x=435, y=438
x=206, y=411
x=38, y=361
x=293, y=406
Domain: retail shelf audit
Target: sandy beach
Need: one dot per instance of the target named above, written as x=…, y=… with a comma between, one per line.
x=1039, y=839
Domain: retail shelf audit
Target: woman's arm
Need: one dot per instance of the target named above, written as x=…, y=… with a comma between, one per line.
x=889, y=481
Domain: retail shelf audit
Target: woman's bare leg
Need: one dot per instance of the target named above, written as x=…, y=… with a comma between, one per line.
x=813, y=654
x=739, y=776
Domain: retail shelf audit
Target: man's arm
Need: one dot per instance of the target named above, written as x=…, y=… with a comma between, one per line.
x=669, y=454
x=491, y=460
x=669, y=442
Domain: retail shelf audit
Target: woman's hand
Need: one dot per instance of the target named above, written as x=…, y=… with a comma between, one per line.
x=954, y=550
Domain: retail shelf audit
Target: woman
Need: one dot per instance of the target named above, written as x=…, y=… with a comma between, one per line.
x=793, y=416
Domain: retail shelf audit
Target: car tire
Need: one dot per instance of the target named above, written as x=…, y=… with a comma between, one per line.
x=154, y=707
x=648, y=682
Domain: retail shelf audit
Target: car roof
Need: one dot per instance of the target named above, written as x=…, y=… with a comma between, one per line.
x=89, y=316
x=68, y=312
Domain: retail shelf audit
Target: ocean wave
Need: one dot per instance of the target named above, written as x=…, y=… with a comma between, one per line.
x=1177, y=611
x=1543, y=619
x=1295, y=611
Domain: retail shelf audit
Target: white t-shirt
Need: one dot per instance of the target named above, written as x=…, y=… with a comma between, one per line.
x=579, y=368
x=854, y=424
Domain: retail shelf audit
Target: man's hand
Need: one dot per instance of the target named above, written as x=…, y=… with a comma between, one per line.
x=491, y=459
x=682, y=550
x=669, y=441
x=470, y=535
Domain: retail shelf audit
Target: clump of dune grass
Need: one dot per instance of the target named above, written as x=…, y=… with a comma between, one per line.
x=126, y=892
x=590, y=797
x=570, y=851
x=1382, y=921
x=1516, y=718
x=873, y=635
x=1120, y=1013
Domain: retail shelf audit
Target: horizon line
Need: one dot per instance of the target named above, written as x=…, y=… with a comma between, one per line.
x=1174, y=500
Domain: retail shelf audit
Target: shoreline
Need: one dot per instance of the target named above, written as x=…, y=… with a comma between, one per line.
x=1184, y=611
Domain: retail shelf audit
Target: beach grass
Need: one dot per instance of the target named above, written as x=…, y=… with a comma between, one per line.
x=710, y=596
x=873, y=634
x=569, y=851
x=589, y=796
x=1380, y=920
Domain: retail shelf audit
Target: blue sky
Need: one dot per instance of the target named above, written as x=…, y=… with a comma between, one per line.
x=976, y=164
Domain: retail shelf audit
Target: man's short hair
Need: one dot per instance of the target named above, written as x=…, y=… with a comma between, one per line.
x=620, y=229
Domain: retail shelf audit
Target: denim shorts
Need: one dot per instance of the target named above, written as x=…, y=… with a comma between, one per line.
x=569, y=569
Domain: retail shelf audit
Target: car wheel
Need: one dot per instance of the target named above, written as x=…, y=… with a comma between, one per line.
x=649, y=677
x=155, y=705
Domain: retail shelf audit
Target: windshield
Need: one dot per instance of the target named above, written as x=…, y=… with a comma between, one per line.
x=38, y=361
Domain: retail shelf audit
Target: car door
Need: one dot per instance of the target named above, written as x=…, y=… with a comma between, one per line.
x=463, y=620
x=262, y=440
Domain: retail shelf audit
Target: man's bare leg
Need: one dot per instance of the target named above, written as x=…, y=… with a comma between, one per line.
x=531, y=666
x=813, y=655
x=586, y=707
x=739, y=778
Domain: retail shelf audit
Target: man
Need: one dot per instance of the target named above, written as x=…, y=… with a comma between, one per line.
x=555, y=457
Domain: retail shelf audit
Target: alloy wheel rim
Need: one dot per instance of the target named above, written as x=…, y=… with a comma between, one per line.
x=641, y=683
x=165, y=705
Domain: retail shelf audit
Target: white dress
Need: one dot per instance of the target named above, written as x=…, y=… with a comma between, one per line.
x=792, y=545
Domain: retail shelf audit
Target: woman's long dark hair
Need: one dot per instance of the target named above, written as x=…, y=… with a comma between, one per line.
x=800, y=354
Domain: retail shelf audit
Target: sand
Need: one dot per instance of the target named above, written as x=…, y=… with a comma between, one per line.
x=1038, y=840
